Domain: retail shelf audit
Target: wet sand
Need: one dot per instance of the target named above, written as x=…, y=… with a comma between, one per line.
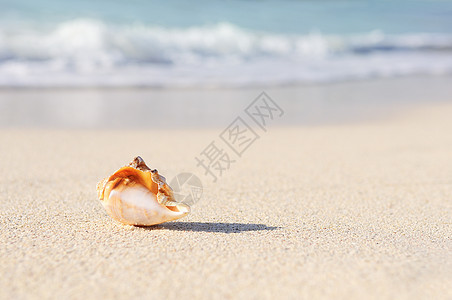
x=138, y=108
x=350, y=211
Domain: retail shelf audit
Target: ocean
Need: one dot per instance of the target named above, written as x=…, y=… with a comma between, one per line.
x=49, y=43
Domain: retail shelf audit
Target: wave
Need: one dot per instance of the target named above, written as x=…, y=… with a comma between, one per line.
x=90, y=52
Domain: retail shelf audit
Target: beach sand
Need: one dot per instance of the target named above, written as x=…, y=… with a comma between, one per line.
x=359, y=210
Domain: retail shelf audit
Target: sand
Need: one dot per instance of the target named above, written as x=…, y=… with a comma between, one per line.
x=353, y=211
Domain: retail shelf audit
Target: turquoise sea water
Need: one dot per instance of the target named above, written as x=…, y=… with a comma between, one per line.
x=218, y=43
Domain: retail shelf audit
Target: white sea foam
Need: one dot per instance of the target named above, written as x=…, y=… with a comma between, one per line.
x=89, y=52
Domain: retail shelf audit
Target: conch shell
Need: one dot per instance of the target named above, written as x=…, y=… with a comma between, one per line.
x=137, y=195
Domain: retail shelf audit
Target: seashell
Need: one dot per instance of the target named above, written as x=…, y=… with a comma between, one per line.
x=137, y=195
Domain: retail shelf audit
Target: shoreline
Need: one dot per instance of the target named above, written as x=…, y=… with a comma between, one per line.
x=136, y=108
x=220, y=87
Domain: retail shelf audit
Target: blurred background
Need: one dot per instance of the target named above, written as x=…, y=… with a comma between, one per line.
x=188, y=64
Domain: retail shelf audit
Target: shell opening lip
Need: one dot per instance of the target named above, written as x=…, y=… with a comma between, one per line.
x=179, y=208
